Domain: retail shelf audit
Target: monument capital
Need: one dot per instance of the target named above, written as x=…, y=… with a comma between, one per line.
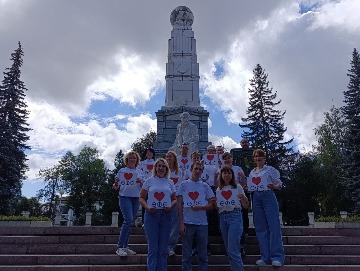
x=181, y=18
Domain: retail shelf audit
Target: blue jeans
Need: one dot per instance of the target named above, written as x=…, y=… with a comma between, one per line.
x=157, y=229
x=267, y=226
x=174, y=234
x=231, y=225
x=129, y=206
x=200, y=232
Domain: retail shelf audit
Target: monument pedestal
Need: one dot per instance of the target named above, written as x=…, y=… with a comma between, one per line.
x=167, y=121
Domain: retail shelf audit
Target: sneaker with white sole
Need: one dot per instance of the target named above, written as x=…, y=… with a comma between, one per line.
x=171, y=252
x=121, y=252
x=260, y=262
x=276, y=263
x=129, y=251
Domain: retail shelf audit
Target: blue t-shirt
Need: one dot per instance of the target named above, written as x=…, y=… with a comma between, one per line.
x=189, y=215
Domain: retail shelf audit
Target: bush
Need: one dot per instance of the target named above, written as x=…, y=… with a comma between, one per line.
x=24, y=218
x=337, y=219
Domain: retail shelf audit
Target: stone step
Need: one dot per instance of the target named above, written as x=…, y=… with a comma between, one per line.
x=216, y=249
x=141, y=239
x=102, y=230
x=86, y=259
x=176, y=268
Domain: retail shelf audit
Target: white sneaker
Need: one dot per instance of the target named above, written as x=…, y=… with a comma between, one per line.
x=121, y=252
x=171, y=252
x=276, y=263
x=260, y=262
x=129, y=251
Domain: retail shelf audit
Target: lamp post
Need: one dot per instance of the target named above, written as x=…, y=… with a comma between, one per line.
x=61, y=191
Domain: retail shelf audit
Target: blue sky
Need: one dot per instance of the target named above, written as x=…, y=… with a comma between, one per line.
x=97, y=77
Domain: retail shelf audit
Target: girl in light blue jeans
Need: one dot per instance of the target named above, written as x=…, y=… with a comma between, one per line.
x=231, y=224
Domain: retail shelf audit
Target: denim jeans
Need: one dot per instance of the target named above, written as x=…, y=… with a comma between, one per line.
x=174, y=234
x=231, y=225
x=157, y=229
x=267, y=226
x=200, y=232
x=129, y=207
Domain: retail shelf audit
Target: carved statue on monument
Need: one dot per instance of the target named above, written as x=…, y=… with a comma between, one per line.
x=187, y=132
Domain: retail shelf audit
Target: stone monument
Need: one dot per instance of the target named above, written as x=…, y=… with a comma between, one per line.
x=182, y=119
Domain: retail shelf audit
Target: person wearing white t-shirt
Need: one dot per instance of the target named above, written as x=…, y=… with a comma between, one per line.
x=266, y=212
x=194, y=199
x=157, y=222
x=176, y=177
x=184, y=160
x=128, y=199
x=231, y=224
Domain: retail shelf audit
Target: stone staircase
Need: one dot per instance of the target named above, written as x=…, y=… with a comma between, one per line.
x=93, y=249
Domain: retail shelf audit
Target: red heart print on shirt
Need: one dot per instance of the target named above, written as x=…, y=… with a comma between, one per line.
x=149, y=167
x=175, y=180
x=256, y=180
x=193, y=195
x=210, y=157
x=159, y=195
x=226, y=194
x=128, y=176
x=184, y=161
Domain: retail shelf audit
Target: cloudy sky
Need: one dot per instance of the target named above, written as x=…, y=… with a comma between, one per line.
x=95, y=69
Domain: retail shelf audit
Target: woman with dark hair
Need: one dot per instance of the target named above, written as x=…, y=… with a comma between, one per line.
x=129, y=180
x=176, y=177
x=266, y=211
x=231, y=224
x=158, y=217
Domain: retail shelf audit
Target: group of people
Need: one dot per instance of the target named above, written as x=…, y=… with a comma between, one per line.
x=189, y=196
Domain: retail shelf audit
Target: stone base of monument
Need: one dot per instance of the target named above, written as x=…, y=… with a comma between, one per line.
x=167, y=122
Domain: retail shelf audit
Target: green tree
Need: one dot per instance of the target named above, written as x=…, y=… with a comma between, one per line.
x=84, y=176
x=329, y=147
x=53, y=183
x=31, y=205
x=143, y=143
x=110, y=196
x=351, y=147
x=13, y=134
x=264, y=126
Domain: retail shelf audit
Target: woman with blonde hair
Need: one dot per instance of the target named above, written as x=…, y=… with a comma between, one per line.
x=129, y=181
x=157, y=220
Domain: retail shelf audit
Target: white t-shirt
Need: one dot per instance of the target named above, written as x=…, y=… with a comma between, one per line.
x=189, y=215
x=154, y=184
x=146, y=167
x=231, y=208
x=184, y=162
x=177, y=179
x=208, y=174
x=269, y=173
x=130, y=190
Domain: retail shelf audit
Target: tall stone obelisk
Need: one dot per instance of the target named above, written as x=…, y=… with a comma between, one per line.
x=182, y=86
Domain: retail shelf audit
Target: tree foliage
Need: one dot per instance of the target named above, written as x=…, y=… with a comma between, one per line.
x=143, y=143
x=13, y=134
x=351, y=143
x=263, y=126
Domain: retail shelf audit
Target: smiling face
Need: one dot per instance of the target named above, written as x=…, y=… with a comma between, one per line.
x=170, y=159
x=149, y=154
x=161, y=169
x=132, y=160
x=259, y=158
x=228, y=160
x=226, y=175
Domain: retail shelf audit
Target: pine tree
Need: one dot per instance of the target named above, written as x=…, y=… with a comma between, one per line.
x=263, y=126
x=351, y=148
x=13, y=133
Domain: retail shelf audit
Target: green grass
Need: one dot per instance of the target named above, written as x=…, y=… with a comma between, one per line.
x=23, y=218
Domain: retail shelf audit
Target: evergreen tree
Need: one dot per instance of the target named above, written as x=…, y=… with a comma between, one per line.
x=351, y=147
x=263, y=126
x=13, y=134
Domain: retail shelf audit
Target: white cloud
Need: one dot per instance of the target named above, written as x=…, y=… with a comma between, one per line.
x=341, y=15
x=134, y=83
x=225, y=141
